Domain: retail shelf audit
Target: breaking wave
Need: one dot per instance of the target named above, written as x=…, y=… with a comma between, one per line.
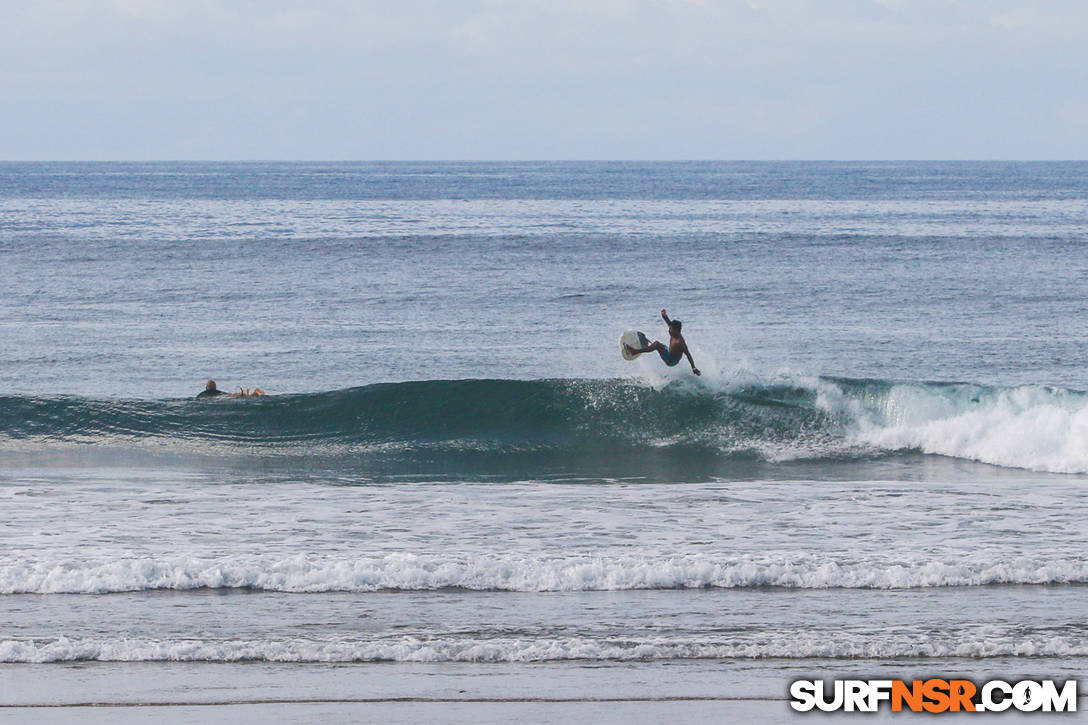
x=522, y=573
x=591, y=427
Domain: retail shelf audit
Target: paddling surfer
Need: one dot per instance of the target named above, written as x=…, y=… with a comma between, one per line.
x=211, y=391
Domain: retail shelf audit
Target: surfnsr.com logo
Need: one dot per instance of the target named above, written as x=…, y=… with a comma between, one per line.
x=934, y=695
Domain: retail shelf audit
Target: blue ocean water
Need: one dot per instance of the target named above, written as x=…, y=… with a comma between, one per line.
x=883, y=459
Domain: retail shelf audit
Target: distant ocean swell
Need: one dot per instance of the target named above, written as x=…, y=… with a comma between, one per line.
x=754, y=645
x=525, y=573
x=587, y=426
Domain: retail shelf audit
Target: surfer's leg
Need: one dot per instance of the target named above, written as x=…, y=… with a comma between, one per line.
x=655, y=347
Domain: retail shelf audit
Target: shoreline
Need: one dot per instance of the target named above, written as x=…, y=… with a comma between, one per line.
x=705, y=692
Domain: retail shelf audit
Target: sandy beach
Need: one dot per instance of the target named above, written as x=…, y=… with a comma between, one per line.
x=463, y=693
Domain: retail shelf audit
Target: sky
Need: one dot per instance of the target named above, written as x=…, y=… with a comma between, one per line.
x=543, y=79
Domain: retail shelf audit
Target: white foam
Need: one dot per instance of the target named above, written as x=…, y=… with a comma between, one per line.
x=1034, y=428
x=750, y=645
x=512, y=572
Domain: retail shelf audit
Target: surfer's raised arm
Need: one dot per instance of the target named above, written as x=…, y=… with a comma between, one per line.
x=665, y=317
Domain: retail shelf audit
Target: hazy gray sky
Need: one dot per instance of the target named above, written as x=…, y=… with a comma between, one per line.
x=544, y=79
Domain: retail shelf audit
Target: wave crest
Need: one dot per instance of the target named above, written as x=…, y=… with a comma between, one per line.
x=516, y=573
x=587, y=427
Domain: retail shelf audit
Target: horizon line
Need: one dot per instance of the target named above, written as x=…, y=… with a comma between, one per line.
x=541, y=161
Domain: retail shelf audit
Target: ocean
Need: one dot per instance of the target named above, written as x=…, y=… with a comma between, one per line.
x=457, y=491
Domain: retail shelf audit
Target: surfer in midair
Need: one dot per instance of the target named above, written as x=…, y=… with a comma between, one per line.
x=676, y=350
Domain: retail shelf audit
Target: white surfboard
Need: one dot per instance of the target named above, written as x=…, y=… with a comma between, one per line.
x=635, y=339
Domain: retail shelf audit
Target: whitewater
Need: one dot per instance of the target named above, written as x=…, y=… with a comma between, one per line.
x=457, y=485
